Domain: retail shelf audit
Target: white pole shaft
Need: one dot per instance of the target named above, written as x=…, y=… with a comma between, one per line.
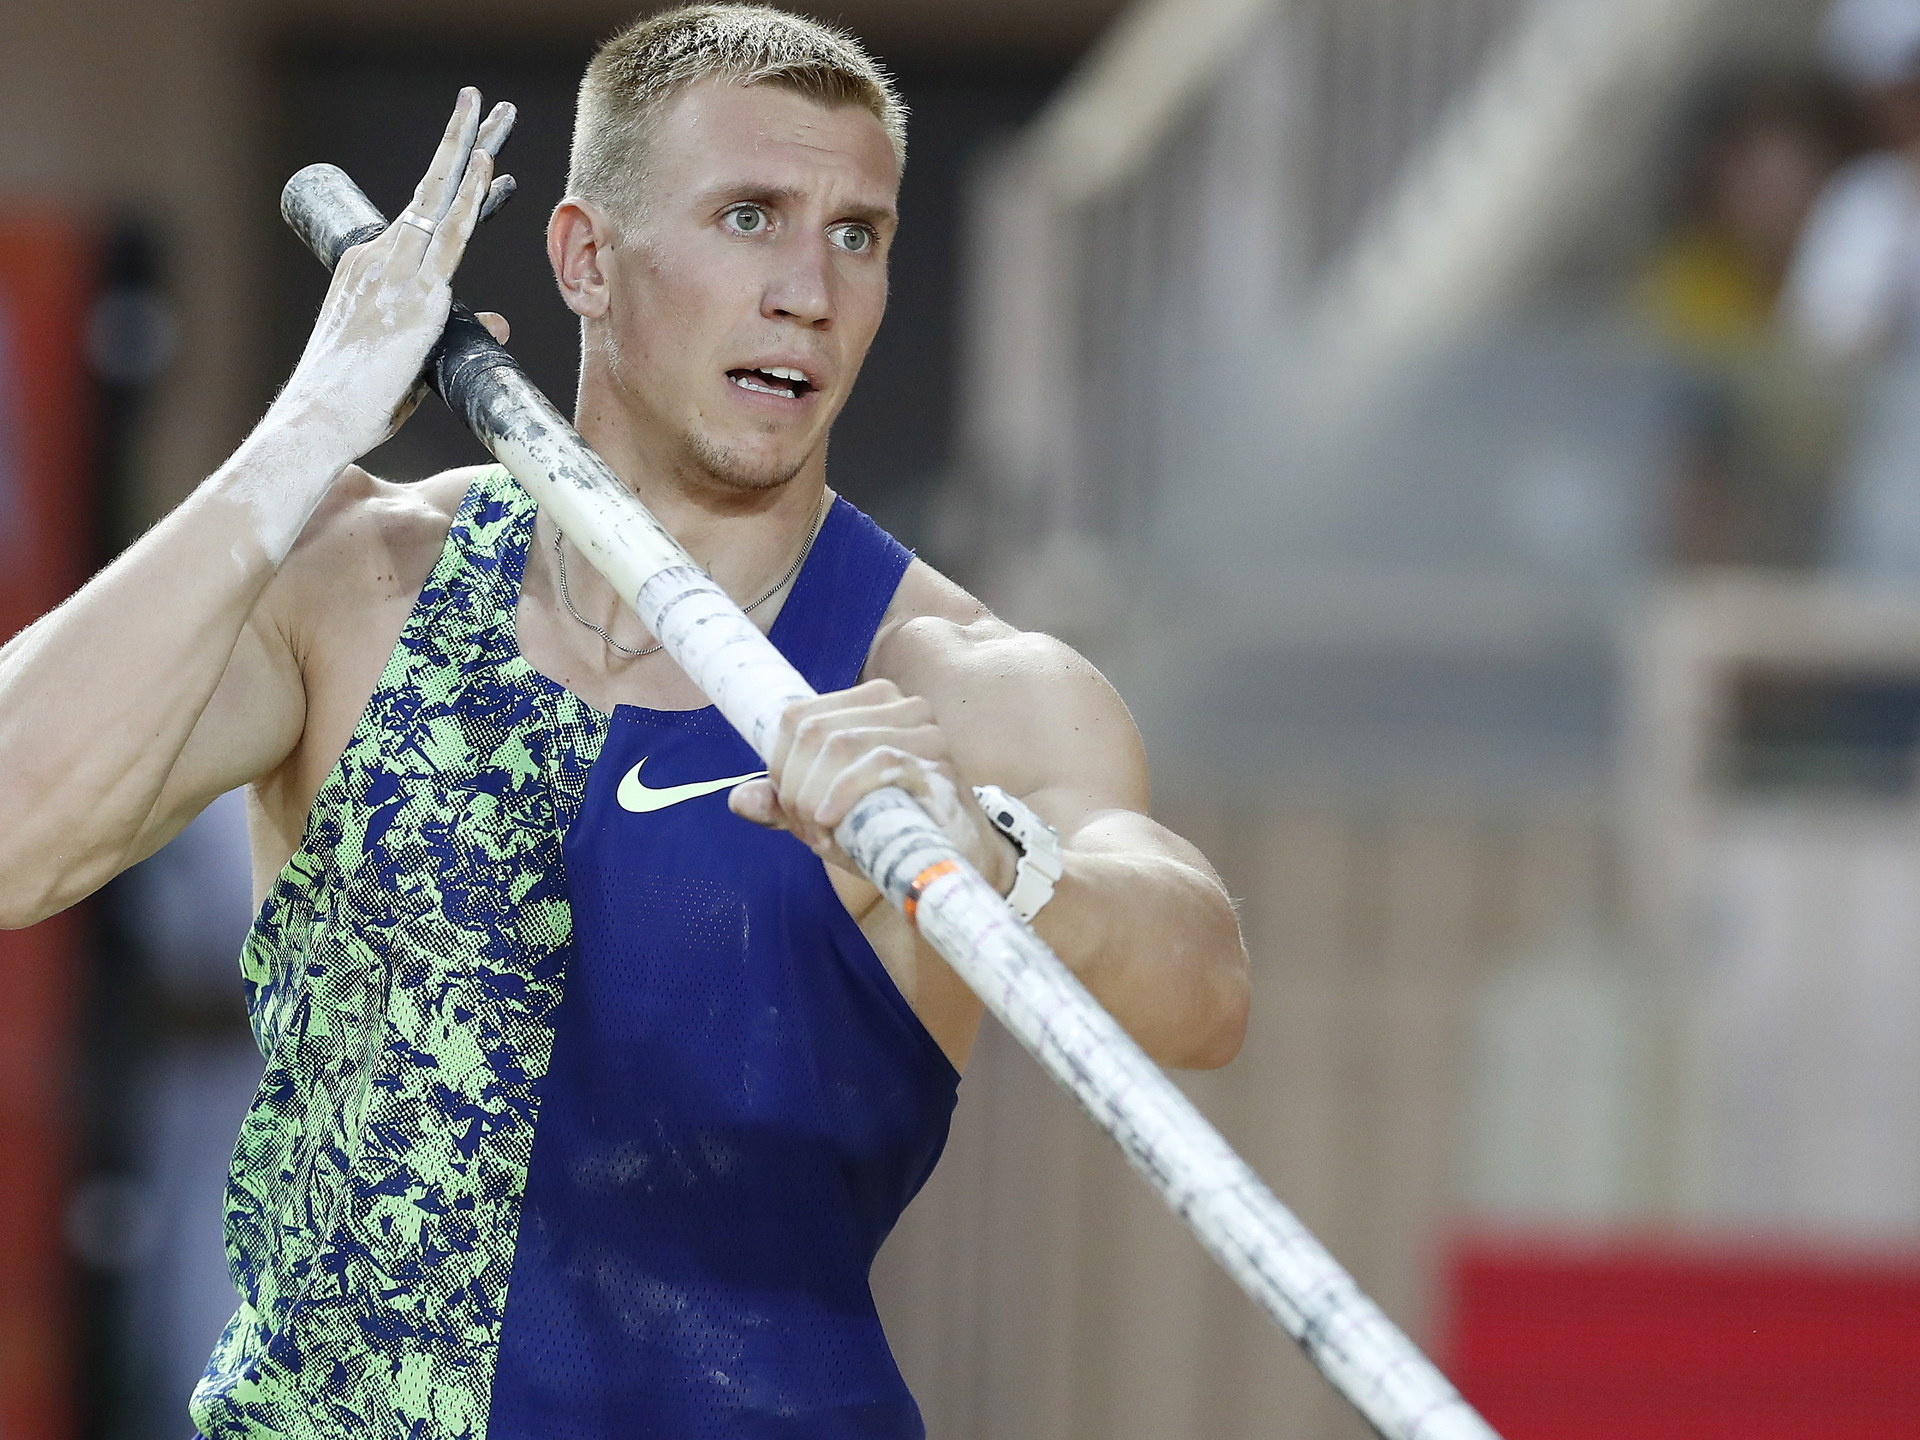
x=1287, y=1272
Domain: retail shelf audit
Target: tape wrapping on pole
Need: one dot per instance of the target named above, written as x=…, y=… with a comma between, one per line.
x=1269, y=1253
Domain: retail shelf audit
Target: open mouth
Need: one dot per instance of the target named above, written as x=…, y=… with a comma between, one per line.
x=781, y=380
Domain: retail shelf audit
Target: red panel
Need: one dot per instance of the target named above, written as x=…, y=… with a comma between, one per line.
x=46, y=269
x=1669, y=1340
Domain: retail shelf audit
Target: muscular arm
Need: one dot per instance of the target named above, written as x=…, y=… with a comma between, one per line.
x=166, y=680
x=1138, y=914
x=155, y=688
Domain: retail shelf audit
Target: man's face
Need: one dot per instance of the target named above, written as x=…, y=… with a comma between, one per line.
x=743, y=297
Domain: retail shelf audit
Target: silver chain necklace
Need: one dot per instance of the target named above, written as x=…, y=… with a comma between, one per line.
x=560, y=556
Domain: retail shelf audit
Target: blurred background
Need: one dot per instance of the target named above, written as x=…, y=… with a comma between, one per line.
x=1480, y=439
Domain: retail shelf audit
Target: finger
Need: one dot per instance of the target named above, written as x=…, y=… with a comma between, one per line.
x=868, y=692
x=806, y=724
x=846, y=750
x=822, y=747
x=449, y=242
x=496, y=325
x=503, y=189
x=407, y=406
x=436, y=190
x=433, y=194
x=452, y=161
x=909, y=712
x=874, y=771
x=811, y=767
x=755, y=801
x=496, y=128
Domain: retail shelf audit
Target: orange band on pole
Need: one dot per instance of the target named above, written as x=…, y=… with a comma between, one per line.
x=921, y=881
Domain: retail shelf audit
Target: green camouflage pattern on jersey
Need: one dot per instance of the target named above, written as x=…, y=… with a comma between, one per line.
x=402, y=978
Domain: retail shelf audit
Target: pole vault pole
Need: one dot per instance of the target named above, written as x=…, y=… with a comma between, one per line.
x=1280, y=1265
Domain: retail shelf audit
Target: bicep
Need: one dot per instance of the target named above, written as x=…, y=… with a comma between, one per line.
x=1049, y=728
x=250, y=725
x=1039, y=720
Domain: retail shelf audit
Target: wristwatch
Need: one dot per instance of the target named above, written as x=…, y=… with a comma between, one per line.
x=1040, y=860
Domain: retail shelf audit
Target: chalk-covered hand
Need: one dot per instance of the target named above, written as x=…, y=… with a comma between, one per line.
x=359, y=375
x=836, y=748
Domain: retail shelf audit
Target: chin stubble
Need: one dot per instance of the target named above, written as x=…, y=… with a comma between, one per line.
x=725, y=467
x=730, y=469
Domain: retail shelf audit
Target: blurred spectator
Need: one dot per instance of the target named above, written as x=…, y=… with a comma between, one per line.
x=1757, y=426
x=1713, y=286
x=1853, y=295
x=1855, y=287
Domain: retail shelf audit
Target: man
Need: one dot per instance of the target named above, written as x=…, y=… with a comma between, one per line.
x=1854, y=288
x=587, y=1104
x=1852, y=297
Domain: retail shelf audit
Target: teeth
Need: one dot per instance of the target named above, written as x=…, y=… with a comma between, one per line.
x=783, y=372
x=747, y=382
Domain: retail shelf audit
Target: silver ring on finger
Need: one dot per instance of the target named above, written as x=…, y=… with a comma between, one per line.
x=417, y=221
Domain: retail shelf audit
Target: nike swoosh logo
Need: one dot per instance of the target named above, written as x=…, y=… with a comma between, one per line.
x=642, y=799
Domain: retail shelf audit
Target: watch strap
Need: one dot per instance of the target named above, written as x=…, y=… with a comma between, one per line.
x=1041, y=859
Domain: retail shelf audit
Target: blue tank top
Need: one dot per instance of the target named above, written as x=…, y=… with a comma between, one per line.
x=739, y=1103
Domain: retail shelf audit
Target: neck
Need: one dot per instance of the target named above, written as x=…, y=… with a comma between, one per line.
x=745, y=539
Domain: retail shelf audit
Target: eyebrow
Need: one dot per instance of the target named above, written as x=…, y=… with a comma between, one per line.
x=878, y=216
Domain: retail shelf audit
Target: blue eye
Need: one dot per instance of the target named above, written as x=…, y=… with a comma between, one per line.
x=746, y=219
x=852, y=238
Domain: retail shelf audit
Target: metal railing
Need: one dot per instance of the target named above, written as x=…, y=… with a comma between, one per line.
x=1325, y=188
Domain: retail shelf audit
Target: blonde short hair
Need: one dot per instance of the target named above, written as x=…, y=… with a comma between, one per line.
x=635, y=75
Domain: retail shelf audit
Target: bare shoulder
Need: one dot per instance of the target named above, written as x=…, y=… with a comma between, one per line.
x=1027, y=709
x=935, y=632
x=362, y=509
x=370, y=542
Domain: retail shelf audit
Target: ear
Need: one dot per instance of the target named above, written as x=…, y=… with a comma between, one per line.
x=579, y=236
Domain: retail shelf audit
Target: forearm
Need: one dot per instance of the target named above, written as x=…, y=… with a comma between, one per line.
x=1137, y=912
x=99, y=697
x=1156, y=940
x=99, y=700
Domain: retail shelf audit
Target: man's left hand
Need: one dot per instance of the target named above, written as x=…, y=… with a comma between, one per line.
x=836, y=748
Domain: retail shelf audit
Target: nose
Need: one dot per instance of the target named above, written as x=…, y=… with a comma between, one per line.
x=802, y=288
